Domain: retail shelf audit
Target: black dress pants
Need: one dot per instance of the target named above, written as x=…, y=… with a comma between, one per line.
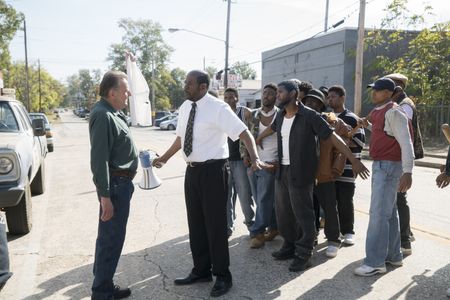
x=206, y=192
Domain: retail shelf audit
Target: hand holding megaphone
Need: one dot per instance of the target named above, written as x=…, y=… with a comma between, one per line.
x=149, y=179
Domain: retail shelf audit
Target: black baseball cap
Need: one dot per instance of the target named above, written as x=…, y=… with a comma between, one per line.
x=383, y=84
x=317, y=94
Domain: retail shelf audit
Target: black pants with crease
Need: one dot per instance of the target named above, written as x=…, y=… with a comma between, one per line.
x=206, y=192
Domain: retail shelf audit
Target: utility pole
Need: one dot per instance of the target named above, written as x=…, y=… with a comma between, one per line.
x=153, y=106
x=39, y=78
x=326, y=16
x=27, y=85
x=359, y=59
x=227, y=44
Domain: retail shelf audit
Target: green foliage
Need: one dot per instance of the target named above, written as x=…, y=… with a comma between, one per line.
x=52, y=91
x=243, y=68
x=176, y=91
x=82, y=88
x=143, y=38
x=423, y=56
x=10, y=21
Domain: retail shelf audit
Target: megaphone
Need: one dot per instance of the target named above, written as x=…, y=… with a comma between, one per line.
x=149, y=179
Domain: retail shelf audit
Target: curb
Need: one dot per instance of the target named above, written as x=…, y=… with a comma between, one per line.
x=419, y=162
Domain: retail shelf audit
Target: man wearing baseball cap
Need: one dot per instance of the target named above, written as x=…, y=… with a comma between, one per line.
x=393, y=159
x=409, y=108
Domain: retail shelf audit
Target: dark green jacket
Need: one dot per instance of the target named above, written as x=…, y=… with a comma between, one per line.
x=112, y=146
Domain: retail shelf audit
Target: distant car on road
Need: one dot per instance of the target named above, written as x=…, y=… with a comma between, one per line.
x=160, y=114
x=48, y=129
x=22, y=163
x=165, y=118
x=169, y=124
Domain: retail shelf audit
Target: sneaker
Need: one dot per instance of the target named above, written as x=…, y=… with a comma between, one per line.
x=406, y=250
x=257, y=241
x=331, y=251
x=349, y=239
x=395, y=263
x=300, y=264
x=365, y=270
x=269, y=235
x=448, y=292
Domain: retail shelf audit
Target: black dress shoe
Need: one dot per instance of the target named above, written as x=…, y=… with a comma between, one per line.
x=221, y=288
x=192, y=278
x=300, y=264
x=120, y=293
x=284, y=253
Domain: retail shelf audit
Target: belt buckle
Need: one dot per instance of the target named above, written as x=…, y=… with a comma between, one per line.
x=190, y=164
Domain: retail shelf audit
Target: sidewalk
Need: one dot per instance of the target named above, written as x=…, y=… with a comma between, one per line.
x=434, y=157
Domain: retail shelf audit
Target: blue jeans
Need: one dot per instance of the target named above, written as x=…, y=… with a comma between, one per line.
x=238, y=178
x=262, y=183
x=383, y=233
x=110, y=238
x=5, y=274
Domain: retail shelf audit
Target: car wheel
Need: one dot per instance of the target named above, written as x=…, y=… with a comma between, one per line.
x=50, y=148
x=38, y=184
x=18, y=217
x=171, y=127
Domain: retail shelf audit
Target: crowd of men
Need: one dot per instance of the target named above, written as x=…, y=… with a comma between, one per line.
x=289, y=162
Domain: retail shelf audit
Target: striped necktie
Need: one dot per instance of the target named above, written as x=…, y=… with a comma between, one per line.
x=189, y=131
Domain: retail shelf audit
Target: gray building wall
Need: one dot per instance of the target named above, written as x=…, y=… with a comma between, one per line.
x=321, y=61
x=326, y=60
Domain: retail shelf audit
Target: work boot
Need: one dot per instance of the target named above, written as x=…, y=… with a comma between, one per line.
x=270, y=234
x=257, y=241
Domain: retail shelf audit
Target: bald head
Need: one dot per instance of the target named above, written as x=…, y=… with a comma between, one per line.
x=201, y=77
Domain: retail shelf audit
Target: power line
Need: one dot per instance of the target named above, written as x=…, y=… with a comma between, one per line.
x=301, y=31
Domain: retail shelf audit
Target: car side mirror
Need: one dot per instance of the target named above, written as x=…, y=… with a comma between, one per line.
x=38, y=127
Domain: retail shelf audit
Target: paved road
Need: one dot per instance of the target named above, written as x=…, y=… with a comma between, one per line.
x=55, y=260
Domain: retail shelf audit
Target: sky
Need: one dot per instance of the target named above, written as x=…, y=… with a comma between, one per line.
x=69, y=35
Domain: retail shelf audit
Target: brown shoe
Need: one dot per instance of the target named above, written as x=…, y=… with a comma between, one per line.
x=257, y=241
x=269, y=235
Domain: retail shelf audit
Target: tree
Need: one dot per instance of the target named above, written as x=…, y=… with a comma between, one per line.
x=52, y=91
x=176, y=91
x=211, y=71
x=83, y=88
x=243, y=68
x=423, y=56
x=143, y=38
x=9, y=23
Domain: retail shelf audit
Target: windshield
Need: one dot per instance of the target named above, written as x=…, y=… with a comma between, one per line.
x=7, y=120
x=38, y=116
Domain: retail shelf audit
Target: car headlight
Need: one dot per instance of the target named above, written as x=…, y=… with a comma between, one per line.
x=6, y=165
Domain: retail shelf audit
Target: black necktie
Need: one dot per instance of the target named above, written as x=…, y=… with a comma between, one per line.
x=189, y=131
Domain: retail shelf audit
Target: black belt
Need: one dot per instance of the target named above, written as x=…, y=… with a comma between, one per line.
x=193, y=164
x=123, y=173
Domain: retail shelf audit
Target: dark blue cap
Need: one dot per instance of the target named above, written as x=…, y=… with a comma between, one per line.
x=383, y=84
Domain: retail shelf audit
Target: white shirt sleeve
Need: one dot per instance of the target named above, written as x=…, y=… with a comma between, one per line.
x=397, y=126
x=408, y=110
x=229, y=123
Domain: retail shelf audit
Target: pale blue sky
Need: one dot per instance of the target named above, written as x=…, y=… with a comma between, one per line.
x=68, y=35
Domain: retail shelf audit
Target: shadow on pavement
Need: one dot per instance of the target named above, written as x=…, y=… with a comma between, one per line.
x=150, y=273
x=428, y=287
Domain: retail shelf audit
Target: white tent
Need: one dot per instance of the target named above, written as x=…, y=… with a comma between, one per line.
x=140, y=107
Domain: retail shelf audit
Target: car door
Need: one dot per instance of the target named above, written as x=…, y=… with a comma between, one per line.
x=34, y=142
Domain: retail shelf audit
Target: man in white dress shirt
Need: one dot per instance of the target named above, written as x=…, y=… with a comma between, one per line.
x=204, y=123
